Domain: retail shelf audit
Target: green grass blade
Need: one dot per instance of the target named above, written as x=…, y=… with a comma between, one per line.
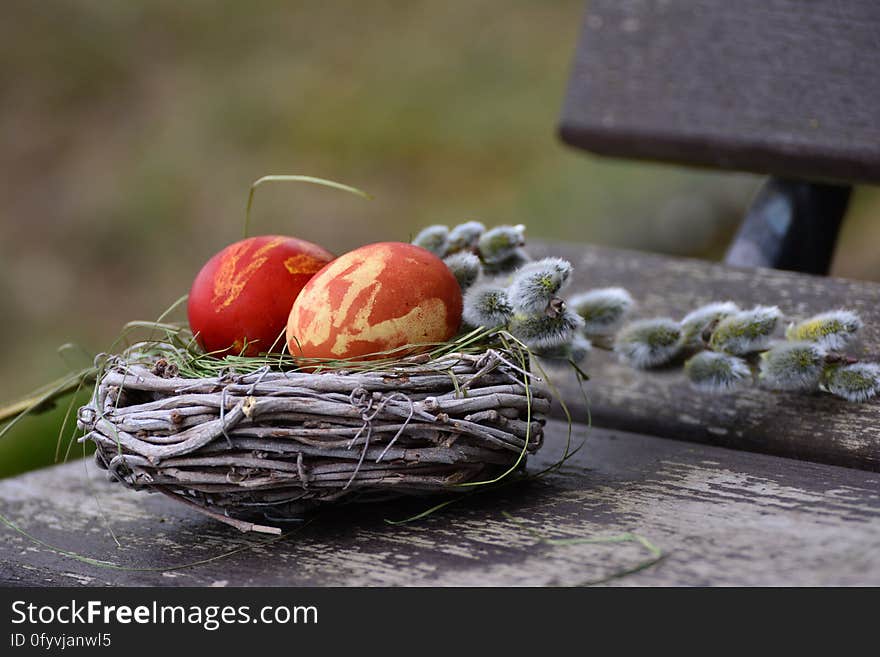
x=295, y=178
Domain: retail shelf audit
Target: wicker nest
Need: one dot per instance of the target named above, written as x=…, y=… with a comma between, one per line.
x=278, y=442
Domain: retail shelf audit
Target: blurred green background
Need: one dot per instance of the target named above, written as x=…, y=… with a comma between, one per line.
x=131, y=131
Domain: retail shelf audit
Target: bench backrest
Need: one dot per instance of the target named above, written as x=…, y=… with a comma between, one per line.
x=785, y=87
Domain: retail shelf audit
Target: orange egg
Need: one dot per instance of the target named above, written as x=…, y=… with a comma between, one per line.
x=241, y=298
x=374, y=299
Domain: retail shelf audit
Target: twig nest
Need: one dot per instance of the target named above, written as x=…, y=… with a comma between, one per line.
x=279, y=442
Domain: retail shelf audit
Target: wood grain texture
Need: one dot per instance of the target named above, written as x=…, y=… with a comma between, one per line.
x=812, y=427
x=720, y=517
x=770, y=86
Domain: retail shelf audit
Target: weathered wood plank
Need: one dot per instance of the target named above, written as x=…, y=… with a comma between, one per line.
x=720, y=517
x=770, y=86
x=814, y=427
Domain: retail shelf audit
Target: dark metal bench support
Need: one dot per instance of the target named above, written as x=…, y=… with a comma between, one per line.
x=791, y=225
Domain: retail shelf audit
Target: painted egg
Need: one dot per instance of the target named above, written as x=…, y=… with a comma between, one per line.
x=241, y=298
x=374, y=299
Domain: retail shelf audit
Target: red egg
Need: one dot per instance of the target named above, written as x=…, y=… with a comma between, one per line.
x=243, y=295
x=373, y=299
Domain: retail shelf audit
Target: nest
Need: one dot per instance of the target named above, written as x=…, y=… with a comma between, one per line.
x=275, y=443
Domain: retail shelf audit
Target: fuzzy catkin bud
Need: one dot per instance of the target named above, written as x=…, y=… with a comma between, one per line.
x=696, y=322
x=500, y=243
x=465, y=267
x=510, y=264
x=858, y=382
x=602, y=310
x=793, y=366
x=831, y=330
x=543, y=331
x=465, y=237
x=576, y=351
x=649, y=342
x=746, y=331
x=537, y=283
x=486, y=305
x=433, y=238
x=711, y=371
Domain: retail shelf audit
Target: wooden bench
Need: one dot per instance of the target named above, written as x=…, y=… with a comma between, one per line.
x=671, y=487
x=719, y=514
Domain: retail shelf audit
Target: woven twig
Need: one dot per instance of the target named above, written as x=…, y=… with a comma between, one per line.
x=278, y=442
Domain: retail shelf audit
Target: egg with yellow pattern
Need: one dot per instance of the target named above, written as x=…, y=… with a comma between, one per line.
x=241, y=298
x=375, y=299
